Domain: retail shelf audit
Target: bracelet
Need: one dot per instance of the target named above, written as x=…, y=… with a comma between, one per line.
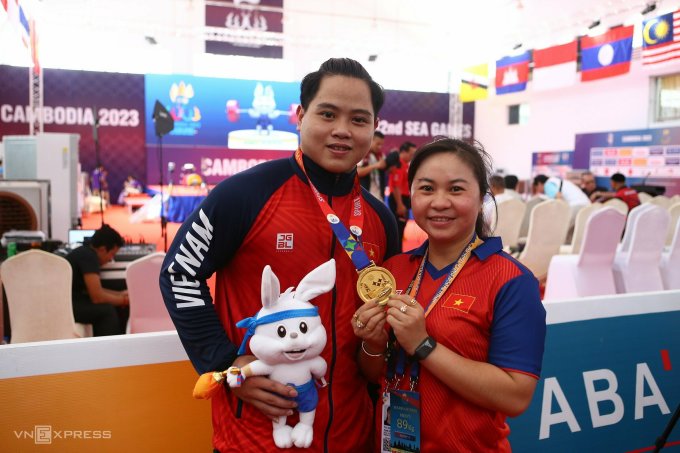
x=363, y=348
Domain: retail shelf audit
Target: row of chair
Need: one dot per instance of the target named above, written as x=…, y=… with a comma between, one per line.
x=606, y=265
x=40, y=308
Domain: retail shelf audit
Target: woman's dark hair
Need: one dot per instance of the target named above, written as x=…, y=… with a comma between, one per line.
x=473, y=155
x=108, y=237
x=343, y=67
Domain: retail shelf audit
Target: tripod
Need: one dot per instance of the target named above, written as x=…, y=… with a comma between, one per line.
x=163, y=124
x=164, y=218
x=98, y=164
x=661, y=441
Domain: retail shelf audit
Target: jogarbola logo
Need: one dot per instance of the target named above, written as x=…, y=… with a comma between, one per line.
x=186, y=115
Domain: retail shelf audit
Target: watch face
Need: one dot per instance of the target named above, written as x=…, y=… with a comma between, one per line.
x=425, y=348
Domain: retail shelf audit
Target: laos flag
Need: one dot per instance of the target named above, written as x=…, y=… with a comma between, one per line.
x=512, y=73
x=606, y=55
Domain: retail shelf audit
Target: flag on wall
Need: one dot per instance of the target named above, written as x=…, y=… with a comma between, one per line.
x=606, y=55
x=661, y=39
x=512, y=73
x=555, y=67
x=474, y=83
x=18, y=19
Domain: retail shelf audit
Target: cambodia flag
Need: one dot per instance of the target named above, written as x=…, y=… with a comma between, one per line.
x=606, y=55
x=512, y=73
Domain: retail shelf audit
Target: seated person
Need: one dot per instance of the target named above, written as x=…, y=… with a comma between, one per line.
x=93, y=304
x=619, y=190
x=561, y=189
x=588, y=184
x=511, y=182
x=130, y=187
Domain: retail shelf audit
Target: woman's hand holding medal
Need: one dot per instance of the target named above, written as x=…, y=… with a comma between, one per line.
x=407, y=319
x=368, y=324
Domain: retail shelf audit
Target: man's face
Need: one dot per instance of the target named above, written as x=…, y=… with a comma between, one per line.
x=336, y=129
x=104, y=255
x=588, y=183
x=376, y=145
x=539, y=188
x=408, y=155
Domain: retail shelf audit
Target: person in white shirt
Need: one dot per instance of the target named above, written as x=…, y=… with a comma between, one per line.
x=500, y=194
x=511, y=182
x=563, y=189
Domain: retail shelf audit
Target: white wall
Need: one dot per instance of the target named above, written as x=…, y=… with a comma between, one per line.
x=616, y=103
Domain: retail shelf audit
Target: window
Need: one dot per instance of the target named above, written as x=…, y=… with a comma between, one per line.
x=667, y=97
x=518, y=114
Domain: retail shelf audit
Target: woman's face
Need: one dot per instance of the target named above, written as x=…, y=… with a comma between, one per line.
x=445, y=198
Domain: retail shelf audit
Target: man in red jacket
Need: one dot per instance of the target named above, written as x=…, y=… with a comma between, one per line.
x=620, y=191
x=275, y=214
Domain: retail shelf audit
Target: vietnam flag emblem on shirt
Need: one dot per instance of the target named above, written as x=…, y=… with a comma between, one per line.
x=606, y=55
x=459, y=302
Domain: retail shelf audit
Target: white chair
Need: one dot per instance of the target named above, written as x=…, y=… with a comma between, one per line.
x=675, y=199
x=670, y=262
x=547, y=230
x=510, y=216
x=636, y=268
x=147, y=309
x=644, y=197
x=630, y=221
x=579, y=228
x=590, y=272
x=38, y=287
x=524, y=229
x=661, y=200
x=617, y=204
x=674, y=211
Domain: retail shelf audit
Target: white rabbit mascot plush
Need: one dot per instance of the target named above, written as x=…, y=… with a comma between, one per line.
x=287, y=338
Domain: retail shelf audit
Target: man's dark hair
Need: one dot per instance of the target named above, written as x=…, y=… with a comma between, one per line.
x=511, y=181
x=540, y=179
x=497, y=182
x=406, y=146
x=108, y=237
x=342, y=67
x=378, y=134
x=618, y=177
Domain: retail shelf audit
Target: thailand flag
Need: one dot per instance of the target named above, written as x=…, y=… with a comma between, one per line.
x=606, y=55
x=661, y=39
x=512, y=73
x=555, y=67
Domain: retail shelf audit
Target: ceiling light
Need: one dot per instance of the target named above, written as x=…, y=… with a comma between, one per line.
x=517, y=46
x=594, y=24
x=372, y=57
x=151, y=40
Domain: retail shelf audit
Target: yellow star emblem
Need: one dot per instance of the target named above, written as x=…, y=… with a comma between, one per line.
x=458, y=302
x=371, y=252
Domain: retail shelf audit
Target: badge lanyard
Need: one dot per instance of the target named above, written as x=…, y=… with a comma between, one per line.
x=414, y=287
x=404, y=405
x=350, y=241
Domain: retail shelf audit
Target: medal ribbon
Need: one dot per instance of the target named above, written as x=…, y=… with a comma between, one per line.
x=414, y=287
x=351, y=243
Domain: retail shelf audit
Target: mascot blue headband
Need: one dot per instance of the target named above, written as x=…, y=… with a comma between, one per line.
x=252, y=322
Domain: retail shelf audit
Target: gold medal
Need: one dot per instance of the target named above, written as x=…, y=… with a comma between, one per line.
x=375, y=283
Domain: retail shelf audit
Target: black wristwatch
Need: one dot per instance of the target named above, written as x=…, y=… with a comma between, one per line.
x=425, y=348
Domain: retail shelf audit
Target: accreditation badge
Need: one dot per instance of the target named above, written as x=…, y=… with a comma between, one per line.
x=404, y=418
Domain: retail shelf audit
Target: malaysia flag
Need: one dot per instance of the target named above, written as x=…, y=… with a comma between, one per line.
x=661, y=39
x=606, y=55
x=512, y=73
x=555, y=67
